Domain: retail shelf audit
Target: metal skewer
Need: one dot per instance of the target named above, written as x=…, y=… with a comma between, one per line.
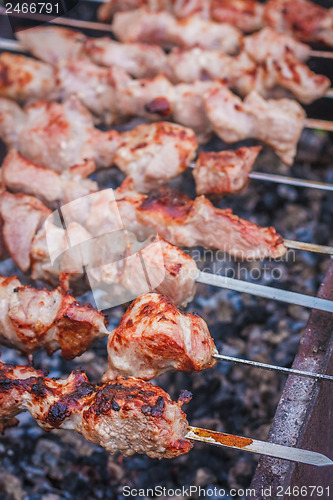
x=265, y=291
x=266, y=366
x=256, y=446
x=321, y=53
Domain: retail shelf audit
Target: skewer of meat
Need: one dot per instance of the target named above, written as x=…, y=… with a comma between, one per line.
x=153, y=337
x=112, y=260
x=125, y=415
x=247, y=15
x=206, y=107
x=268, y=60
x=62, y=137
x=152, y=154
x=304, y=20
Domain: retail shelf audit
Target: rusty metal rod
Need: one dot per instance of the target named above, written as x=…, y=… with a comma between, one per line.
x=256, y=446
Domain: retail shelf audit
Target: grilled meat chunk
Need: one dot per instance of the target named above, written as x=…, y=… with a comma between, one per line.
x=126, y=415
x=247, y=15
x=20, y=175
x=153, y=154
x=302, y=19
x=25, y=79
x=57, y=136
x=154, y=337
x=21, y=216
x=161, y=28
x=225, y=171
x=277, y=122
x=184, y=222
x=189, y=223
x=32, y=319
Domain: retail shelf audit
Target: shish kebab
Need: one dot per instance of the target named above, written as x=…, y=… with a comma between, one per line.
x=153, y=337
x=268, y=61
x=173, y=272
x=126, y=415
x=302, y=19
x=205, y=106
x=152, y=154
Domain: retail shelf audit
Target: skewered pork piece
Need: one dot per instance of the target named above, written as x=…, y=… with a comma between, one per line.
x=203, y=106
x=211, y=106
x=56, y=136
x=222, y=172
x=126, y=415
x=244, y=75
x=61, y=137
x=247, y=15
x=32, y=319
x=21, y=175
x=22, y=78
x=184, y=222
x=162, y=28
x=52, y=44
x=269, y=60
x=302, y=19
x=154, y=337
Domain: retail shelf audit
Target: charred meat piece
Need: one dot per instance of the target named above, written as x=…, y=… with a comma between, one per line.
x=32, y=319
x=154, y=337
x=225, y=171
x=126, y=415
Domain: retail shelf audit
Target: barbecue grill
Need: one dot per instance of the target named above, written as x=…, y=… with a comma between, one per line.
x=232, y=399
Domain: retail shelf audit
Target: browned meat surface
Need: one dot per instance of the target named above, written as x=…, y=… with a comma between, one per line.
x=184, y=222
x=162, y=28
x=189, y=223
x=25, y=79
x=154, y=337
x=126, y=415
x=32, y=319
x=302, y=19
x=20, y=175
x=225, y=171
x=153, y=154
